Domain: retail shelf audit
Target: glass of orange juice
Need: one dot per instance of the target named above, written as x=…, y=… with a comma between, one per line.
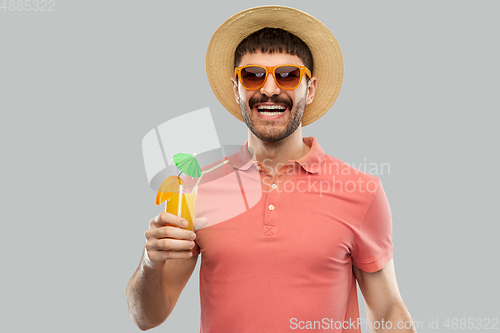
x=182, y=203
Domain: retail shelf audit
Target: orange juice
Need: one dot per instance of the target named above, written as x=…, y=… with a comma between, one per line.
x=183, y=204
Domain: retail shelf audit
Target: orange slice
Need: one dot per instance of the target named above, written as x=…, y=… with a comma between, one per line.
x=170, y=184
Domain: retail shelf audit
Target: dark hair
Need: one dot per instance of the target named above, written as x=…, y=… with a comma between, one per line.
x=270, y=40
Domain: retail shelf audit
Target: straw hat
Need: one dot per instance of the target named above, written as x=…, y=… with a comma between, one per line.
x=327, y=57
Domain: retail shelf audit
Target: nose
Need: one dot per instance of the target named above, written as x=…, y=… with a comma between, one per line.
x=270, y=87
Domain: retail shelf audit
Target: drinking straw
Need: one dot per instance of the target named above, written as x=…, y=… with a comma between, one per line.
x=211, y=169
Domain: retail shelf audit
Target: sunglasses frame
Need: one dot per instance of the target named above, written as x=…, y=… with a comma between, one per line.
x=272, y=70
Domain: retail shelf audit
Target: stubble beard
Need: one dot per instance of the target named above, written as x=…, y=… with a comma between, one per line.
x=269, y=132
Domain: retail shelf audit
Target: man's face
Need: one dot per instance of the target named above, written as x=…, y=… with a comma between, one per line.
x=259, y=107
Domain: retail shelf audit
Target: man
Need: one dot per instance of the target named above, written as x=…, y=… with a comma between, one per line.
x=292, y=260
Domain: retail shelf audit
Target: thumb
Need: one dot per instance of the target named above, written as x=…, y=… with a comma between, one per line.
x=200, y=222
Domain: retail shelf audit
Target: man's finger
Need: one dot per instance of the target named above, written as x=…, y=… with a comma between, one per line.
x=165, y=255
x=173, y=232
x=169, y=244
x=165, y=218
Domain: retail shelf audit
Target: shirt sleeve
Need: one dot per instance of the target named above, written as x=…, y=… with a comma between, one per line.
x=373, y=247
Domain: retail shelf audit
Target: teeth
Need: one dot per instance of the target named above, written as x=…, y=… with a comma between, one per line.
x=265, y=113
x=271, y=107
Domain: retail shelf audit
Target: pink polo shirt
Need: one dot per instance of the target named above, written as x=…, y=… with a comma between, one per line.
x=284, y=263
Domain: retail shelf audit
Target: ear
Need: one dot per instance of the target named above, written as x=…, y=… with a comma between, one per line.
x=311, y=89
x=235, y=90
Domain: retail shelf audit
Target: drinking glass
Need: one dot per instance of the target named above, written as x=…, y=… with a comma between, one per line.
x=183, y=203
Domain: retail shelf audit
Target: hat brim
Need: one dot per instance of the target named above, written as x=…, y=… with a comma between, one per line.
x=327, y=56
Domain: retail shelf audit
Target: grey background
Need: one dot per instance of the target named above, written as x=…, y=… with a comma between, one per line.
x=81, y=86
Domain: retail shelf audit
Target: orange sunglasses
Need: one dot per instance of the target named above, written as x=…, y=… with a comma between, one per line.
x=253, y=77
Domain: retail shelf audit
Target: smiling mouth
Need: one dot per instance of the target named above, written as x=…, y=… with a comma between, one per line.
x=271, y=110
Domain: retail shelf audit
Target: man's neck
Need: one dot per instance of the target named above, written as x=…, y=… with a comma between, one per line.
x=275, y=154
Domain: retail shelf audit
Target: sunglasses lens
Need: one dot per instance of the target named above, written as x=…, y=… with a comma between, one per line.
x=252, y=77
x=288, y=76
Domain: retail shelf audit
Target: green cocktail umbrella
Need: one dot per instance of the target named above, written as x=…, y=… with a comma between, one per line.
x=187, y=164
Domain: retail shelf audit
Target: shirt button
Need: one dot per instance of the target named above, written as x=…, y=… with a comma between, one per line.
x=258, y=167
x=274, y=186
x=271, y=207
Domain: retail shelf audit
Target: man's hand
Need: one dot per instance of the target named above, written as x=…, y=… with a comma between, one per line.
x=166, y=240
x=155, y=287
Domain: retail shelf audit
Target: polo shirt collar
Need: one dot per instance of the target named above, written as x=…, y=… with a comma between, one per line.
x=311, y=162
x=242, y=160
